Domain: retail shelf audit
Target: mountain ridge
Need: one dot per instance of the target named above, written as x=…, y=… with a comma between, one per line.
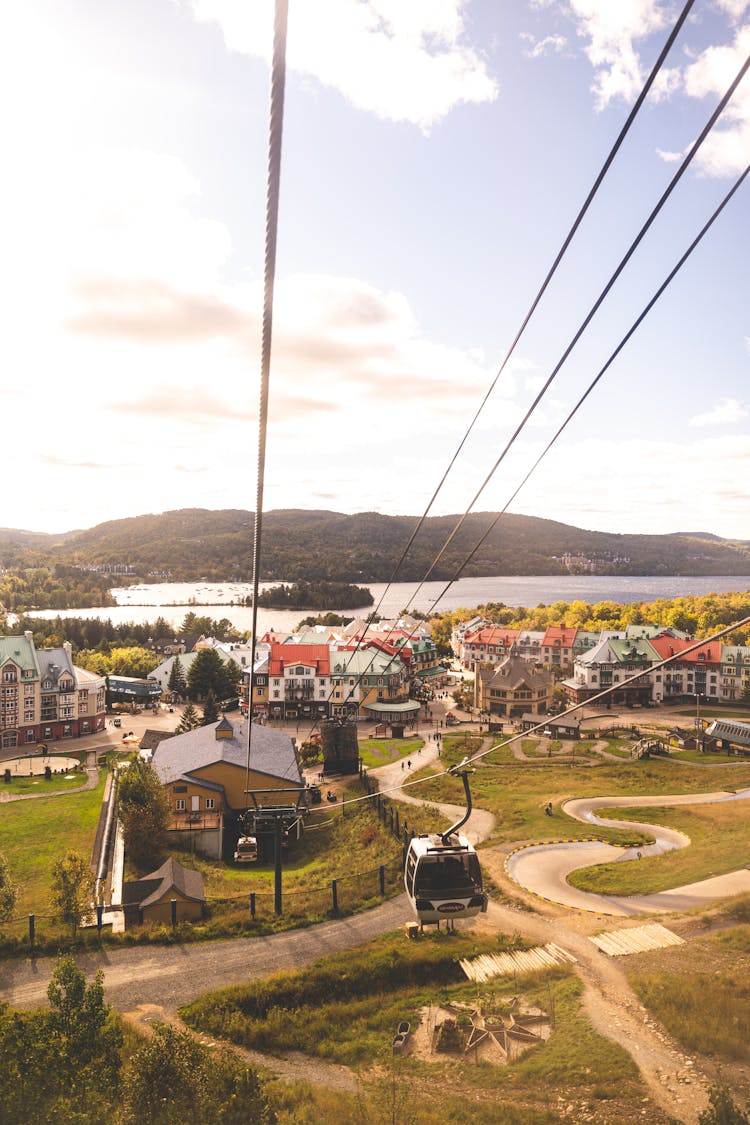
x=303, y=544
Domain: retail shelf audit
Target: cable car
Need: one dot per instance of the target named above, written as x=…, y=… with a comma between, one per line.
x=442, y=875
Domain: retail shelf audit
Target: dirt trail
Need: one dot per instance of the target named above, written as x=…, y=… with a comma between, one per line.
x=673, y=1080
x=290, y=1067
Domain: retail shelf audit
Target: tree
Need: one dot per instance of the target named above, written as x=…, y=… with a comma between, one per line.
x=172, y=1079
x=82, y=1035
x=144, y=811
x=229, y=680
x=722, y=1109
x=7, y=891
x=206, y=674
x=72, y=890
x=177, y=682
x=190, y=720
x=210, y=709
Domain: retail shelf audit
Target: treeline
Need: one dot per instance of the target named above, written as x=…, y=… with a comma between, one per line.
x=102, y=635
x=315, y=595
x=698, y=615
x=56, y=587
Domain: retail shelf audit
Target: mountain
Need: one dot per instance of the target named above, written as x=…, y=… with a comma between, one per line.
x=196, y=543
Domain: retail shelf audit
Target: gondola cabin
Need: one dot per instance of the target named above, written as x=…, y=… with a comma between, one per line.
x=443, y=879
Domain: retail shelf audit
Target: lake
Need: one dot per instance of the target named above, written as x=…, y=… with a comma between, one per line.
x=172, y=600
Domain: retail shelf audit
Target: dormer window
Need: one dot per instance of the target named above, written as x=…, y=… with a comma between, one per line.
x=47, y=685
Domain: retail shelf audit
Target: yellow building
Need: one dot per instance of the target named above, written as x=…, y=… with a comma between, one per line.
x=205, y=772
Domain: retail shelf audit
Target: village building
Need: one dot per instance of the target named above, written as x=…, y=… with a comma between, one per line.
x=44, y=696
x=694, y=675
x=609, y=664
x=150, y=899
x=513, y=689
x=206, y=775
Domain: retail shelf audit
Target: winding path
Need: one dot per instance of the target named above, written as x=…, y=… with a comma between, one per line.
x=543, y=869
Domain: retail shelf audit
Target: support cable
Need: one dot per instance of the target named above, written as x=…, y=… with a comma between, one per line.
x=650, y=304
x=588, y=318
x=509, y=353
x=542, y=289
x=273, y=184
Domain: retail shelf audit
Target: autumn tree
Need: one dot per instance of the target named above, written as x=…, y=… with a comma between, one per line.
x=72, y=890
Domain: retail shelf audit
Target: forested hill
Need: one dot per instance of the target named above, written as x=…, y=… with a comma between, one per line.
x=314, y=546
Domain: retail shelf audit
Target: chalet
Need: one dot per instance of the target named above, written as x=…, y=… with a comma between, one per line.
x=150, y=899
x=211, y=780
x=513, y=689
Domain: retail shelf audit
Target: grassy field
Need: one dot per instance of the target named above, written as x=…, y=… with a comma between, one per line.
x=517, y=793
x=380, y=751
x=719, y=834
x=703, y=1000
x=35, y=834
x=345, y=1010
x=39, y=785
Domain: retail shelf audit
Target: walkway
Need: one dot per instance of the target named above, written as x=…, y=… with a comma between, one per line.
x=480, y=825
x=543, y=869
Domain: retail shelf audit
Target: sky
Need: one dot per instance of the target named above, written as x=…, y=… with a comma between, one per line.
x=435, y=153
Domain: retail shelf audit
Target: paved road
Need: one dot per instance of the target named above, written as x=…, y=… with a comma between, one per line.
x=544, y=869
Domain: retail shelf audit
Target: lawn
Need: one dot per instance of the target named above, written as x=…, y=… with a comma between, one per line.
x=380, y=751
x=720, y=842
x=35, y=834
x=39, y=785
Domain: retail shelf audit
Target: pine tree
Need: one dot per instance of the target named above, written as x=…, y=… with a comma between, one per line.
x=189, y=721
x=177, y=682
x=210, y=709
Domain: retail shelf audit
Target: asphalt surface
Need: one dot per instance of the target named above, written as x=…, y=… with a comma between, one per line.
x=544, y=869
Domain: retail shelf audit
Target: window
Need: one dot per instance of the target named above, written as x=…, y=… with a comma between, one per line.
x=180, y=804
x=30, y=736
x=210, y=803
x=276, y=695
x=180, y=789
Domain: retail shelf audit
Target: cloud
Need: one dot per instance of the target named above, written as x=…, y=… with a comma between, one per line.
x=651, y=497
x=725, y=150
x=611, y=31
x=181, y=404
x=669, y=157
x=150, y=310
x=726, y=411
x=71, y=463
x=351, y=45
x=550, y=44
